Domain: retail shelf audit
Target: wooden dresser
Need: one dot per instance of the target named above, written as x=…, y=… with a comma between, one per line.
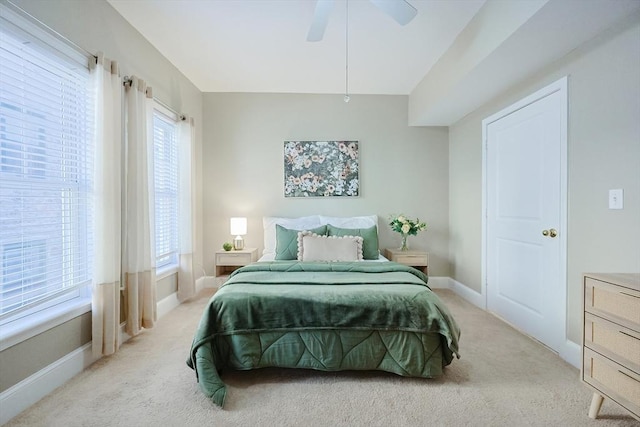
x=611, y=340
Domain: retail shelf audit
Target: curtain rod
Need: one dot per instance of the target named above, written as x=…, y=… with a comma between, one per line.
x=181, y=116
x=19, y=10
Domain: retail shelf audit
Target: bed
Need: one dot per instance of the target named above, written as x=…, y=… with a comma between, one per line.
x=327, y=314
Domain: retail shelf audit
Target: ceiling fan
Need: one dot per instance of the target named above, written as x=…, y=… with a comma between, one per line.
x=400, y=10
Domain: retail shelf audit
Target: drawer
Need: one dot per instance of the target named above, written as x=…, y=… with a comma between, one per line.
x=614, y=381
x=612, y=340
x=233, y=259
x=612, y=301
x=413, y=260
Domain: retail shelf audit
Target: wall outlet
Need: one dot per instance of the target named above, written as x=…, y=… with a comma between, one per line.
x=616, y=199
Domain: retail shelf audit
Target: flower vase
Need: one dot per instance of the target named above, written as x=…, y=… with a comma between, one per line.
x=404, y=246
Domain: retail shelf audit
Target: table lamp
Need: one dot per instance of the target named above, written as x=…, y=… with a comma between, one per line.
x=239, y=229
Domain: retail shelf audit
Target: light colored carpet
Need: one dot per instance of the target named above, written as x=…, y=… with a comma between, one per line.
x=502, y=379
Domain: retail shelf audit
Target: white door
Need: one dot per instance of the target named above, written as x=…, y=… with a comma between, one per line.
x=525, y=215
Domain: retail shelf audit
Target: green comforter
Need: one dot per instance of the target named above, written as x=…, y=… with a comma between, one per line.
x=328, y=316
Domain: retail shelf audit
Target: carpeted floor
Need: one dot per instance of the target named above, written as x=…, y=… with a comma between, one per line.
x=502, y=379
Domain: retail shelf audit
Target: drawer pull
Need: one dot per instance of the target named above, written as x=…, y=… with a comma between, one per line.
x=629, y=376
x=629, y=335
x=629, y=295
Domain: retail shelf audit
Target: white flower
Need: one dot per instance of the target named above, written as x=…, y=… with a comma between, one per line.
x=406, y=228
x=402, y=219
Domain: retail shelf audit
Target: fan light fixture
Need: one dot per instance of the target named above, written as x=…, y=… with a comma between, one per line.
x=400, y=10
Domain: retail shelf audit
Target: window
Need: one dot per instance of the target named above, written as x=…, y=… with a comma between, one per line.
x=165, y=141
x=24, y=274
x=46, y=150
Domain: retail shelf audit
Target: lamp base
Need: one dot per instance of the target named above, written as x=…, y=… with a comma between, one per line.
x=238, y=243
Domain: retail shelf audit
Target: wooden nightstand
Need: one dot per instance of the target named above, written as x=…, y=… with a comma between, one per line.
x=411, y=258
x=227, y=261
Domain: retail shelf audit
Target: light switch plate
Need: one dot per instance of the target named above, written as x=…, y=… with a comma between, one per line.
x=616, y=199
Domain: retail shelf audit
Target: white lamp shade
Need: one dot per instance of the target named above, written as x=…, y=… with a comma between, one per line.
x=238, y=226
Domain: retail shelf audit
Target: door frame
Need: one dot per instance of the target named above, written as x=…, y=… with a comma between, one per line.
x=561, y=87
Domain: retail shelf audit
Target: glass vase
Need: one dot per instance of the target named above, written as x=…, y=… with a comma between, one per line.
x=404, y=246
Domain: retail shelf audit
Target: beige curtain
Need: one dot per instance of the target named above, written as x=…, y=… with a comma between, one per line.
x=139, y=247
x=186, y=271
x=107, y=207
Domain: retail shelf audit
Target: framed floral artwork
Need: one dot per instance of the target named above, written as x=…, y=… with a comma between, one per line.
x=321, y=169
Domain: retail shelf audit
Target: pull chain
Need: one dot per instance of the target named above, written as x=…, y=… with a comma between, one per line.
x=346, y=59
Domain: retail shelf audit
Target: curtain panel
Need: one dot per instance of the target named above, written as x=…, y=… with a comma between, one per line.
x=186, y=153
x=124, y=209
x=105, y=307
x=139, y=225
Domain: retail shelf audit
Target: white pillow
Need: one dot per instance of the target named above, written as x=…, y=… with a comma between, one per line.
x=269, y=225
x=350, y=222
x=312, y=247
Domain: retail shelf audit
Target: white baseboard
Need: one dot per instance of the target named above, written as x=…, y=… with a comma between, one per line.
x=200, y=283
x=30, y=390
x=206, y=282
x=474, y=297
x=167, y=304
x=437, y=282
x=571, y=353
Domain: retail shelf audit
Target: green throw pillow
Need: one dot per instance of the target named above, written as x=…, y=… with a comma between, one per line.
x=287, y=241
x=370, y=248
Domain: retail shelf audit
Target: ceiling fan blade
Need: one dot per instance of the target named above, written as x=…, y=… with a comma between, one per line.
x=320, y=19
x=400, y=10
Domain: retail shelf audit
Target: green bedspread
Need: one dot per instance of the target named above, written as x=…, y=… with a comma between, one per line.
x=371, y=312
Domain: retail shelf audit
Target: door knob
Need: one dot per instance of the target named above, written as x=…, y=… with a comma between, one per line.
x=545, y=232
x=553, y=232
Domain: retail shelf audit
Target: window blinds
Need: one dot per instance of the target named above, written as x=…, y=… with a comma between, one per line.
x=165, y=141
x=46, y=152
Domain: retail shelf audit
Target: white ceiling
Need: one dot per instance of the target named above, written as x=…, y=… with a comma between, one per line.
x=260, y=45
x=452, y=58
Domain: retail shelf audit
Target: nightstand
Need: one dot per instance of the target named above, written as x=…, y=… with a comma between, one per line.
x=411, y=258
x=227, y=261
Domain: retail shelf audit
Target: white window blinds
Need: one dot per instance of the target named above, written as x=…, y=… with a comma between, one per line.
x=46, y=151
x=165, y=141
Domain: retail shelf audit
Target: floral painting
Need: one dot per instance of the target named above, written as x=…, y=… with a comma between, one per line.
x=321, y=168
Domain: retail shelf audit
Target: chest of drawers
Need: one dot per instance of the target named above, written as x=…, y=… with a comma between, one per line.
x=611, y=340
